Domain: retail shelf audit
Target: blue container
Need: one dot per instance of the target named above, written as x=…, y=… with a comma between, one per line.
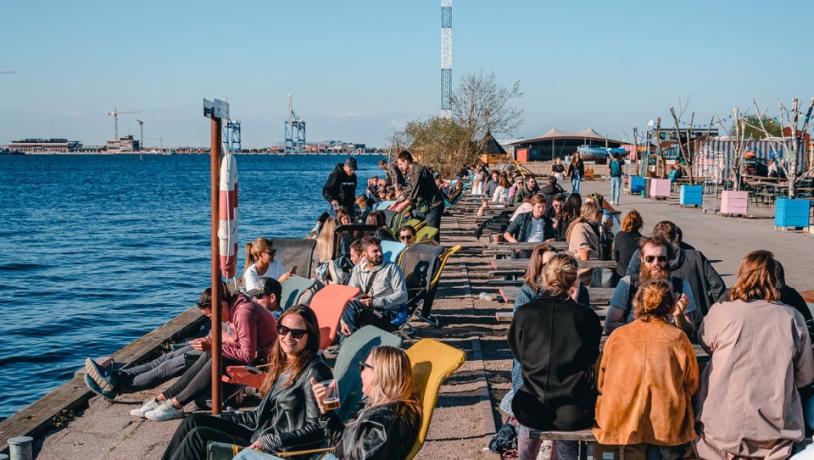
x=791, y=213
x=636, y=184
x=691, y=195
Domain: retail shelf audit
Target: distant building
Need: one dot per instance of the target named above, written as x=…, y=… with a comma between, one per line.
x=123, y=144
x=45, y=146
x=556, y=143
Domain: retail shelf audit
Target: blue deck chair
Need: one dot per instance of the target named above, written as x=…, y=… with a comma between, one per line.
x=293, y=288
x=391, y=251
x=382, y=205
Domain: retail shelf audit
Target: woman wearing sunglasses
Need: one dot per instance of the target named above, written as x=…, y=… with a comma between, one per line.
x=288, y=415
x=386, y=428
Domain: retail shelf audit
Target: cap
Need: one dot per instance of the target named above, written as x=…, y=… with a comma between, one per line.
x=350, y=162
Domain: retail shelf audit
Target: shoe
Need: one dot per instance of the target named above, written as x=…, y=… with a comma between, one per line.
x=100, y=375
x=149, y=405
x=164, y=411
x=92, y=386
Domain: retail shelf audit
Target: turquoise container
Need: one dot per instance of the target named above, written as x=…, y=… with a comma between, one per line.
x=791, y=213
x=636, y=184
x=691, y=195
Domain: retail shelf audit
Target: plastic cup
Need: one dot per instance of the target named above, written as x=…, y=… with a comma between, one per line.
x=584, y=253
x=332, y=400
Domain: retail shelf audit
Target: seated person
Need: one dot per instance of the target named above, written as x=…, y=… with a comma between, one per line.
x=384, y=291
x=288, y=415
x=361, y=208
x=646, y=379
x=557, y=217
x=388, y=425
x=551, y=189
x=260, y=264
x=339, y=269
x=407, y=235
x=654, y=259
x=254, y=329
x=531, y=227
x=379, y=219
x=527, y=190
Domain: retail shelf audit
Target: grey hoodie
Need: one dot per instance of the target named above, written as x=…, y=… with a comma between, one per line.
x=388, y=289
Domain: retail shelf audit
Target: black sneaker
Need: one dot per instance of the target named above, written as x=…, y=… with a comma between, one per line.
x=92, y=386
x=101, y=376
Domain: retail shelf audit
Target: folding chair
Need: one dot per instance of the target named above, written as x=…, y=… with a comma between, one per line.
x=426, y=234
x=392, y=250
x=294, y=252
x=328, y=305
x=293, y=288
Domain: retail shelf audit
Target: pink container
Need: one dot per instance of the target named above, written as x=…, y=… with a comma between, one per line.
x=659, y=188
x=734, y=202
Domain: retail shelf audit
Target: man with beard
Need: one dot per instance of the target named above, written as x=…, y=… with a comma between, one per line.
x=655, y=254
x=384, y=291
x=422, y=191
x=526, y=190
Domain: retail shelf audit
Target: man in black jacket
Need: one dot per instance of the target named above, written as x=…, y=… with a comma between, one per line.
x=340, y=188
x=421, y=187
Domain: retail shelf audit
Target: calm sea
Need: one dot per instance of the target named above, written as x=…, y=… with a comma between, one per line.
x=95, y=251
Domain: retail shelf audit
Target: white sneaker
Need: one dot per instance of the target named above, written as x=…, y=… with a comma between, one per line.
x=149, y=405
x=164, y=411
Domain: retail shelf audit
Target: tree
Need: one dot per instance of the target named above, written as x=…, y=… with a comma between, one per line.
x=440, y=143
x=755, y=131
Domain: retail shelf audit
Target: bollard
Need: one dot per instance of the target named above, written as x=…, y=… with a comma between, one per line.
x=20, y=448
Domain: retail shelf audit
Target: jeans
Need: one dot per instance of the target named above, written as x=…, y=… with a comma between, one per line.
x=433, y=219
x=357, y=315
x=575, y=183
x=195, y=381
x=616, y=183
x=197, y=430
x=150, y=375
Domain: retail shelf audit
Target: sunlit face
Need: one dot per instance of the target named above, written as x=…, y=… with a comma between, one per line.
x=355, y=256
x=368, y=378
x=373, y=254
x=267, y=257
x=290, y=344
x=531, y=183
x=403, y=165
x=654, y=256
x=538, y=210
x=345, y=220
x=407, y=237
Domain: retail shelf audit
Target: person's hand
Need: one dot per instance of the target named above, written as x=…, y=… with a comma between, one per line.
x=366, y=300
x=285, y=276
x=344, y=328
x=257, y=446
x=550, y=240
x=201, y=344
x=321, y=393
x=681, y=305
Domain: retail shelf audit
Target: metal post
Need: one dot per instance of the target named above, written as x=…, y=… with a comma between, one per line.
x=20, y=448
x=215, y=140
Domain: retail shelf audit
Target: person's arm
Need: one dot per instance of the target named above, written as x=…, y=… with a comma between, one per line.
x=618, y=308
x=512, y=231
x=715, y=284
x=398, y=296
x=244, y=348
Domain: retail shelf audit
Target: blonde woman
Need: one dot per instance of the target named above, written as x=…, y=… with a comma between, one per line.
x=261, y=264
x=323, y=253
x=583, y=237
x=388, y=425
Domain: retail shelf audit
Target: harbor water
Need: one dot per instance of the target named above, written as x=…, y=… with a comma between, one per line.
x=96, y=251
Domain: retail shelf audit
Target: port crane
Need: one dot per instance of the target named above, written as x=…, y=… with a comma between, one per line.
x=294, y=130
x=115, y=114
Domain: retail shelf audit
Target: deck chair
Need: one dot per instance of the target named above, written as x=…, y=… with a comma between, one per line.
x=355, y=348
x=419, y=263
x=328, y=304
x=432, y=363
x=392, y=250
x=293, y=288
x=400, y=219
x=292, y=251
x=426, y=234
x=417, y=224
x=382, y=205
x=345, y=234
x=389, y=217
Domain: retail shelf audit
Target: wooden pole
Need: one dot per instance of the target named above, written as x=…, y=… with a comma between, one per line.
x=215, y=140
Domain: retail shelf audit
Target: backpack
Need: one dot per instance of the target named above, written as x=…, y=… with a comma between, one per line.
x=615, y=168
x=676, y=283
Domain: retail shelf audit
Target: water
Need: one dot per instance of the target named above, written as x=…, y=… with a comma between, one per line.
x=95, y=251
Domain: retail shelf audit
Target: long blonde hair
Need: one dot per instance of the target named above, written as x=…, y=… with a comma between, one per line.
x=757, y=278
x=255, y=248
x=325, y=240
x=588, y=213
x=393, y=378
x=560, y=275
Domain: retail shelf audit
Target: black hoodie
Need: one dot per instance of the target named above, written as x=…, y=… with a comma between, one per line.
x=340, y=187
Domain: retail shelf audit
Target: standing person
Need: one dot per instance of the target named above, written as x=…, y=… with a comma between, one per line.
x=421, y=187
x=615, y=167
x=340, y=188
x=556, y=341
x=558, y=169
x=395, y=178
x=576, y=170
x=288, y=415
x=646, y=379
x=626, y=242
x=749, y=404
x=261, y=264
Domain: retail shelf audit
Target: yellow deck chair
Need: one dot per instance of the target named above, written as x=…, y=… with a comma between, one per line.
x=444, y=258
x=432, y=362
x=417, y=224
x=426, y=234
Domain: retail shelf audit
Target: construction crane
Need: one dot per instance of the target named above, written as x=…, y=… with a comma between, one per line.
x=231, y=133
x=294, y=130
x=141, y=136
x=115, y=114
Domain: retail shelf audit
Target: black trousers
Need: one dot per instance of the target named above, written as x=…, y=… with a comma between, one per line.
x=196, y=381
x=433, y=219
x=190, y=439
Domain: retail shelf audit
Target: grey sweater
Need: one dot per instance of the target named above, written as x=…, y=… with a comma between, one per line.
x=388, y=289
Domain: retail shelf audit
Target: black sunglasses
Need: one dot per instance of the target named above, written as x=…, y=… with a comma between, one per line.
x=650, y=259
x=405, y=237
x=297, y=333
x=363, y=365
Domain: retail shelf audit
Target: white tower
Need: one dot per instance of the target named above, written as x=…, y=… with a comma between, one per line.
x=446, y=57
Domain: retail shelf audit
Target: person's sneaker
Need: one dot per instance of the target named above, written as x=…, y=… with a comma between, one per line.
x=92, y=386
x=164, y=411
x=100, y=375
x=149, y=405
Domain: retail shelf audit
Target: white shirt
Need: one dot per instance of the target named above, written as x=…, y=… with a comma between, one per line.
x=253, y=281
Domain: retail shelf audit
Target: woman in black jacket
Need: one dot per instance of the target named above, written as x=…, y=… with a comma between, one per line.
x=387, y=427
x=626, y=242
x=556, y=341
x=288, y=416
x=576, y=170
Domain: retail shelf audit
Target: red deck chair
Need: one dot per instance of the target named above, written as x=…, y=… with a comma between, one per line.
x=328, y=304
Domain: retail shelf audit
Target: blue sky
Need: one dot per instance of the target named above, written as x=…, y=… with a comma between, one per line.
x=359, y=69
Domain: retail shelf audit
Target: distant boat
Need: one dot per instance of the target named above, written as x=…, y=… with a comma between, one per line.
x=10, y=152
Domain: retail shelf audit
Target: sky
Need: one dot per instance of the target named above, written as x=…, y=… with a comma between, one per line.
x=360, y=69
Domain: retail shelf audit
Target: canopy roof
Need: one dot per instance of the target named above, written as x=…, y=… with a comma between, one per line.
x=554, y=133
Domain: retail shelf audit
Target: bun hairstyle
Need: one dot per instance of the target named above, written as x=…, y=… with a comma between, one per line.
x=654, y=299
x=757, y=278
x=560, y=275
x=255, y=248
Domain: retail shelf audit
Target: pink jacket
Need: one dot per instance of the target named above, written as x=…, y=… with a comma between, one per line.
x=254, y=330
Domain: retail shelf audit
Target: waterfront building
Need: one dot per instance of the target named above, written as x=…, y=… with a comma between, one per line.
x=123, y=144
x=556, y=143
x=45, y=146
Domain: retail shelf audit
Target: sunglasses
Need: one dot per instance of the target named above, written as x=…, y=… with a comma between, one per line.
x=405, y=237
x=650, y=259
x=283, y=331
x=363, y=365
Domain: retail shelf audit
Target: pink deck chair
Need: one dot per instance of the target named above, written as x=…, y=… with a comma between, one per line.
x=329, y=304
